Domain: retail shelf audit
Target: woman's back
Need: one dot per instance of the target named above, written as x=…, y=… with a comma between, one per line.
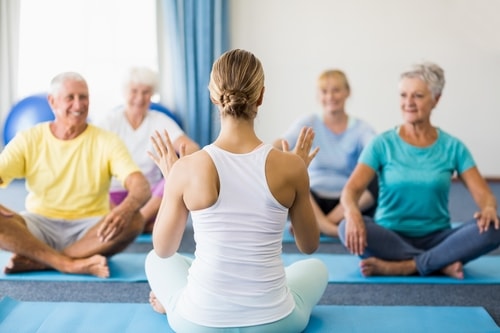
x=238, y=268
x=239, y=193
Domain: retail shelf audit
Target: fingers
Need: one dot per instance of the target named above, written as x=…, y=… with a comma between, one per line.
x=356, y=244
x=284, y=146
x=155, y=141
x=314, y=153
x=108, y=229
x=182, y=150
x=485, y=220
x=168, y=143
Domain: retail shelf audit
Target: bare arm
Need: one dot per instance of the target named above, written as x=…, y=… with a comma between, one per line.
x=328, y=223
x=172, y=215
x=189, y=145
x=484, y=199
x=355, y=228
x=305, y=226
x=150, y=209
x=138, y=193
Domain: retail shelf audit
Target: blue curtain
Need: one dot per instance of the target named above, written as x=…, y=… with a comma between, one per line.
x=195, y=34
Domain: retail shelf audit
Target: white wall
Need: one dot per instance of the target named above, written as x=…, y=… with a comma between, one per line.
x=373, y=42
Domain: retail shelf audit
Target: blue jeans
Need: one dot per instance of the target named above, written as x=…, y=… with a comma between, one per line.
x=431, y=252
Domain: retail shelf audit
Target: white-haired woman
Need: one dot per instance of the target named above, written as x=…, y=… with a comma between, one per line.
x=411, y=232
x=135, y=124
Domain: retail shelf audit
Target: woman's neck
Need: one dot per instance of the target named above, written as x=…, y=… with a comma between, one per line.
x=135, y=119
x=420, y=135
x=237, y=136
x=336, y=121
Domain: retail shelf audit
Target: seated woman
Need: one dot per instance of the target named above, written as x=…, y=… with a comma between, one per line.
x=340, y=138
x=239, y=192
x=411, y=232
x=135, y=124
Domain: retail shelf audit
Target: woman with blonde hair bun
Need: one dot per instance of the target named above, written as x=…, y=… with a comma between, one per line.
x=239, y=192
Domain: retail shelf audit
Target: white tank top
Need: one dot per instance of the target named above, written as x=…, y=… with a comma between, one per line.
x=237, y=277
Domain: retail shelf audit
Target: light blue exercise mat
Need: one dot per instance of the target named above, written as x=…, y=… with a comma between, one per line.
x=344, y=268
x=144, y=238
x=287, y=237
x=63, y=317
x=124, y=267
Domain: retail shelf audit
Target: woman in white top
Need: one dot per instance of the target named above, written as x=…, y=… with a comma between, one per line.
x=135, y=123
x=239, y=192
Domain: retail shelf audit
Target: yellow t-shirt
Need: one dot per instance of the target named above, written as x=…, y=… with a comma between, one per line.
x=67, y=179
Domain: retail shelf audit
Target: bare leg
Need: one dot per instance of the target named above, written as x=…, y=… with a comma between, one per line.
x=95, y=265
x=328, y=225
x=33, y=254
x=374, y=266
x=155, y=303
x=90, y=244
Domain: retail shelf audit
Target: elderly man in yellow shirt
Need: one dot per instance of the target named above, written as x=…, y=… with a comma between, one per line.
x=68, y=165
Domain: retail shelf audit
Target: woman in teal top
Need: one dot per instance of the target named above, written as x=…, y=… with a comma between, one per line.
x=411, y=231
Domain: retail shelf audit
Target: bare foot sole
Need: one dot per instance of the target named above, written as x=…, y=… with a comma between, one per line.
x=19, y=263
x=95, y=265
x=155, y=304
x=374, y=266
x=455, y=270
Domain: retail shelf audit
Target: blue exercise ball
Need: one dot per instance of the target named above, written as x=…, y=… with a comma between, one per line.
x=161, y=108
x=26, y=113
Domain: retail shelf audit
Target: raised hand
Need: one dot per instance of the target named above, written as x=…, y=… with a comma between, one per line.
x=166, y=155
x=303, y=145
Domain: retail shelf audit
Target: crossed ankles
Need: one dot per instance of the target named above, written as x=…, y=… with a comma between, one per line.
x=374, y=266
x=95, y=265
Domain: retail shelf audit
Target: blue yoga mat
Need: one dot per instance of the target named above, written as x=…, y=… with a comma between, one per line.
x=287, y=237
x=124, y=267
x=129, y=267
x=63, y=317
x=144, y=238
x=344, y=268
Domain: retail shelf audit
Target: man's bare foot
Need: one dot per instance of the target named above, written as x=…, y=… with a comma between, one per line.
x=95, y=265
x=19, y=263
x=373, y=266
x=454, y=270
x=155, y=303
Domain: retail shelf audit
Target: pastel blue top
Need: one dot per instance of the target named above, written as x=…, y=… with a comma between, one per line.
x=414, y=182
x=338, y=154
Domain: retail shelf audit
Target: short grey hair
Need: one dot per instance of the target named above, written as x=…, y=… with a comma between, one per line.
x=429, y=72
x=141, y=75
x=60, y=79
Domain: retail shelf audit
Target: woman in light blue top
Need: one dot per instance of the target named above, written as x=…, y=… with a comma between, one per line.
x=411, y=232
x=340, y=138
